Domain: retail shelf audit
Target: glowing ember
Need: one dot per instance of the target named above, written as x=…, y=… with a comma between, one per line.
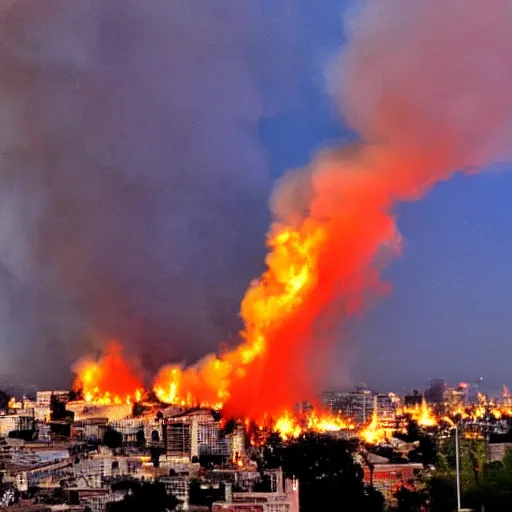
x=108, y=380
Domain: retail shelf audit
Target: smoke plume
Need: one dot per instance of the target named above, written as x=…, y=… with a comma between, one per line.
x=133, y=185
x=426, y=85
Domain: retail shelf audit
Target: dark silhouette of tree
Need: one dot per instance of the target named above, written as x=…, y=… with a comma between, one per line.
x=413, y=431
x=58, y=410
x=263, y=484
x=155, y=452
x=410, y=501
x=4, y=400
x=113, y=439
x=25, y=435
x=442, y=493
x=327, y=474
x=426, y=453
x=140, y=437
x=273, y=452
x=76, y=394
x=204, y=497
x=143, y=496
x=137, y=409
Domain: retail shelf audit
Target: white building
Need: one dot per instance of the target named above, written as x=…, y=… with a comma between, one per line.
x=285, y=500
x=11, y=422
x=44, y=398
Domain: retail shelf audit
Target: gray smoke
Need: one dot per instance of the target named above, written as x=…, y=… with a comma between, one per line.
x=132, y=184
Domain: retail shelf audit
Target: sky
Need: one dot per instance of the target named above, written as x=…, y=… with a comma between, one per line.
x=138, y=153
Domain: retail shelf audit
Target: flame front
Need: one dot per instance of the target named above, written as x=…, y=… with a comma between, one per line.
x=291, y=276
x=108, y=380
x=373, y=433
x=422, y=414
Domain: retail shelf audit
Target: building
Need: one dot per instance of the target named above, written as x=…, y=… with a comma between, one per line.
x=12, y=422
x=44, y=398
x=178, y=485
x=388, y=478
x=195, y=434
x=99, y=501
x=435, y=393
x=283, y=500
x=386, y=405
x=457, y=396
x=414, y=399
x=357, y=404
x=86, y=411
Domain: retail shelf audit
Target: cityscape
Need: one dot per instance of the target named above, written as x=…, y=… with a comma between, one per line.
x=219, y=219
x=63, y=451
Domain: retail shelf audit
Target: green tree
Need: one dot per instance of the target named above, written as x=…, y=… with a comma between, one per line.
x=328, y=474
x=409, y=500
x=441, y=493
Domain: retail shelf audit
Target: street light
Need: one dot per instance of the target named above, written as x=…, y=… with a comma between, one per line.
x=457, y=464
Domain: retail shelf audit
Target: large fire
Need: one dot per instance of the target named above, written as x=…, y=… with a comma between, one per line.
x=291, y=425
x=269, y=304
x=422, y=414
x=108, y=380
x=334, y=226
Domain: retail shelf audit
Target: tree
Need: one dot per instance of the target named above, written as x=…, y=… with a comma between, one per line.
x=4, y=400
x=155, y=452
x=409, y=500
x=150, y=497
x=58, y=410
x=113, y=439
x=413, y=431
x=140, y=437
x=206, y=496
x=425, y=453
x=328, y=474
x=272, y=457
x=442, y=493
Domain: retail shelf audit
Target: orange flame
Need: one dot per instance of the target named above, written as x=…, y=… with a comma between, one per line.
x=269, y=302
x=108, y=380
x=423, y=415
x=373, y=433
x=292, y=426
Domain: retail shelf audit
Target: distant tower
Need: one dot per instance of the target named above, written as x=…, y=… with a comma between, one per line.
x=435, y=393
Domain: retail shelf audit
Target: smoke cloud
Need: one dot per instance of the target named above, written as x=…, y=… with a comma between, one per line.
x=132, y=182
x=426, y=85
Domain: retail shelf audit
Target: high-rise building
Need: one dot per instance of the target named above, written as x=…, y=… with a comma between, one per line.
x=357, y=404
x=44, y=398
x=386, y=405
x=414, y=399
x=435, y=393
